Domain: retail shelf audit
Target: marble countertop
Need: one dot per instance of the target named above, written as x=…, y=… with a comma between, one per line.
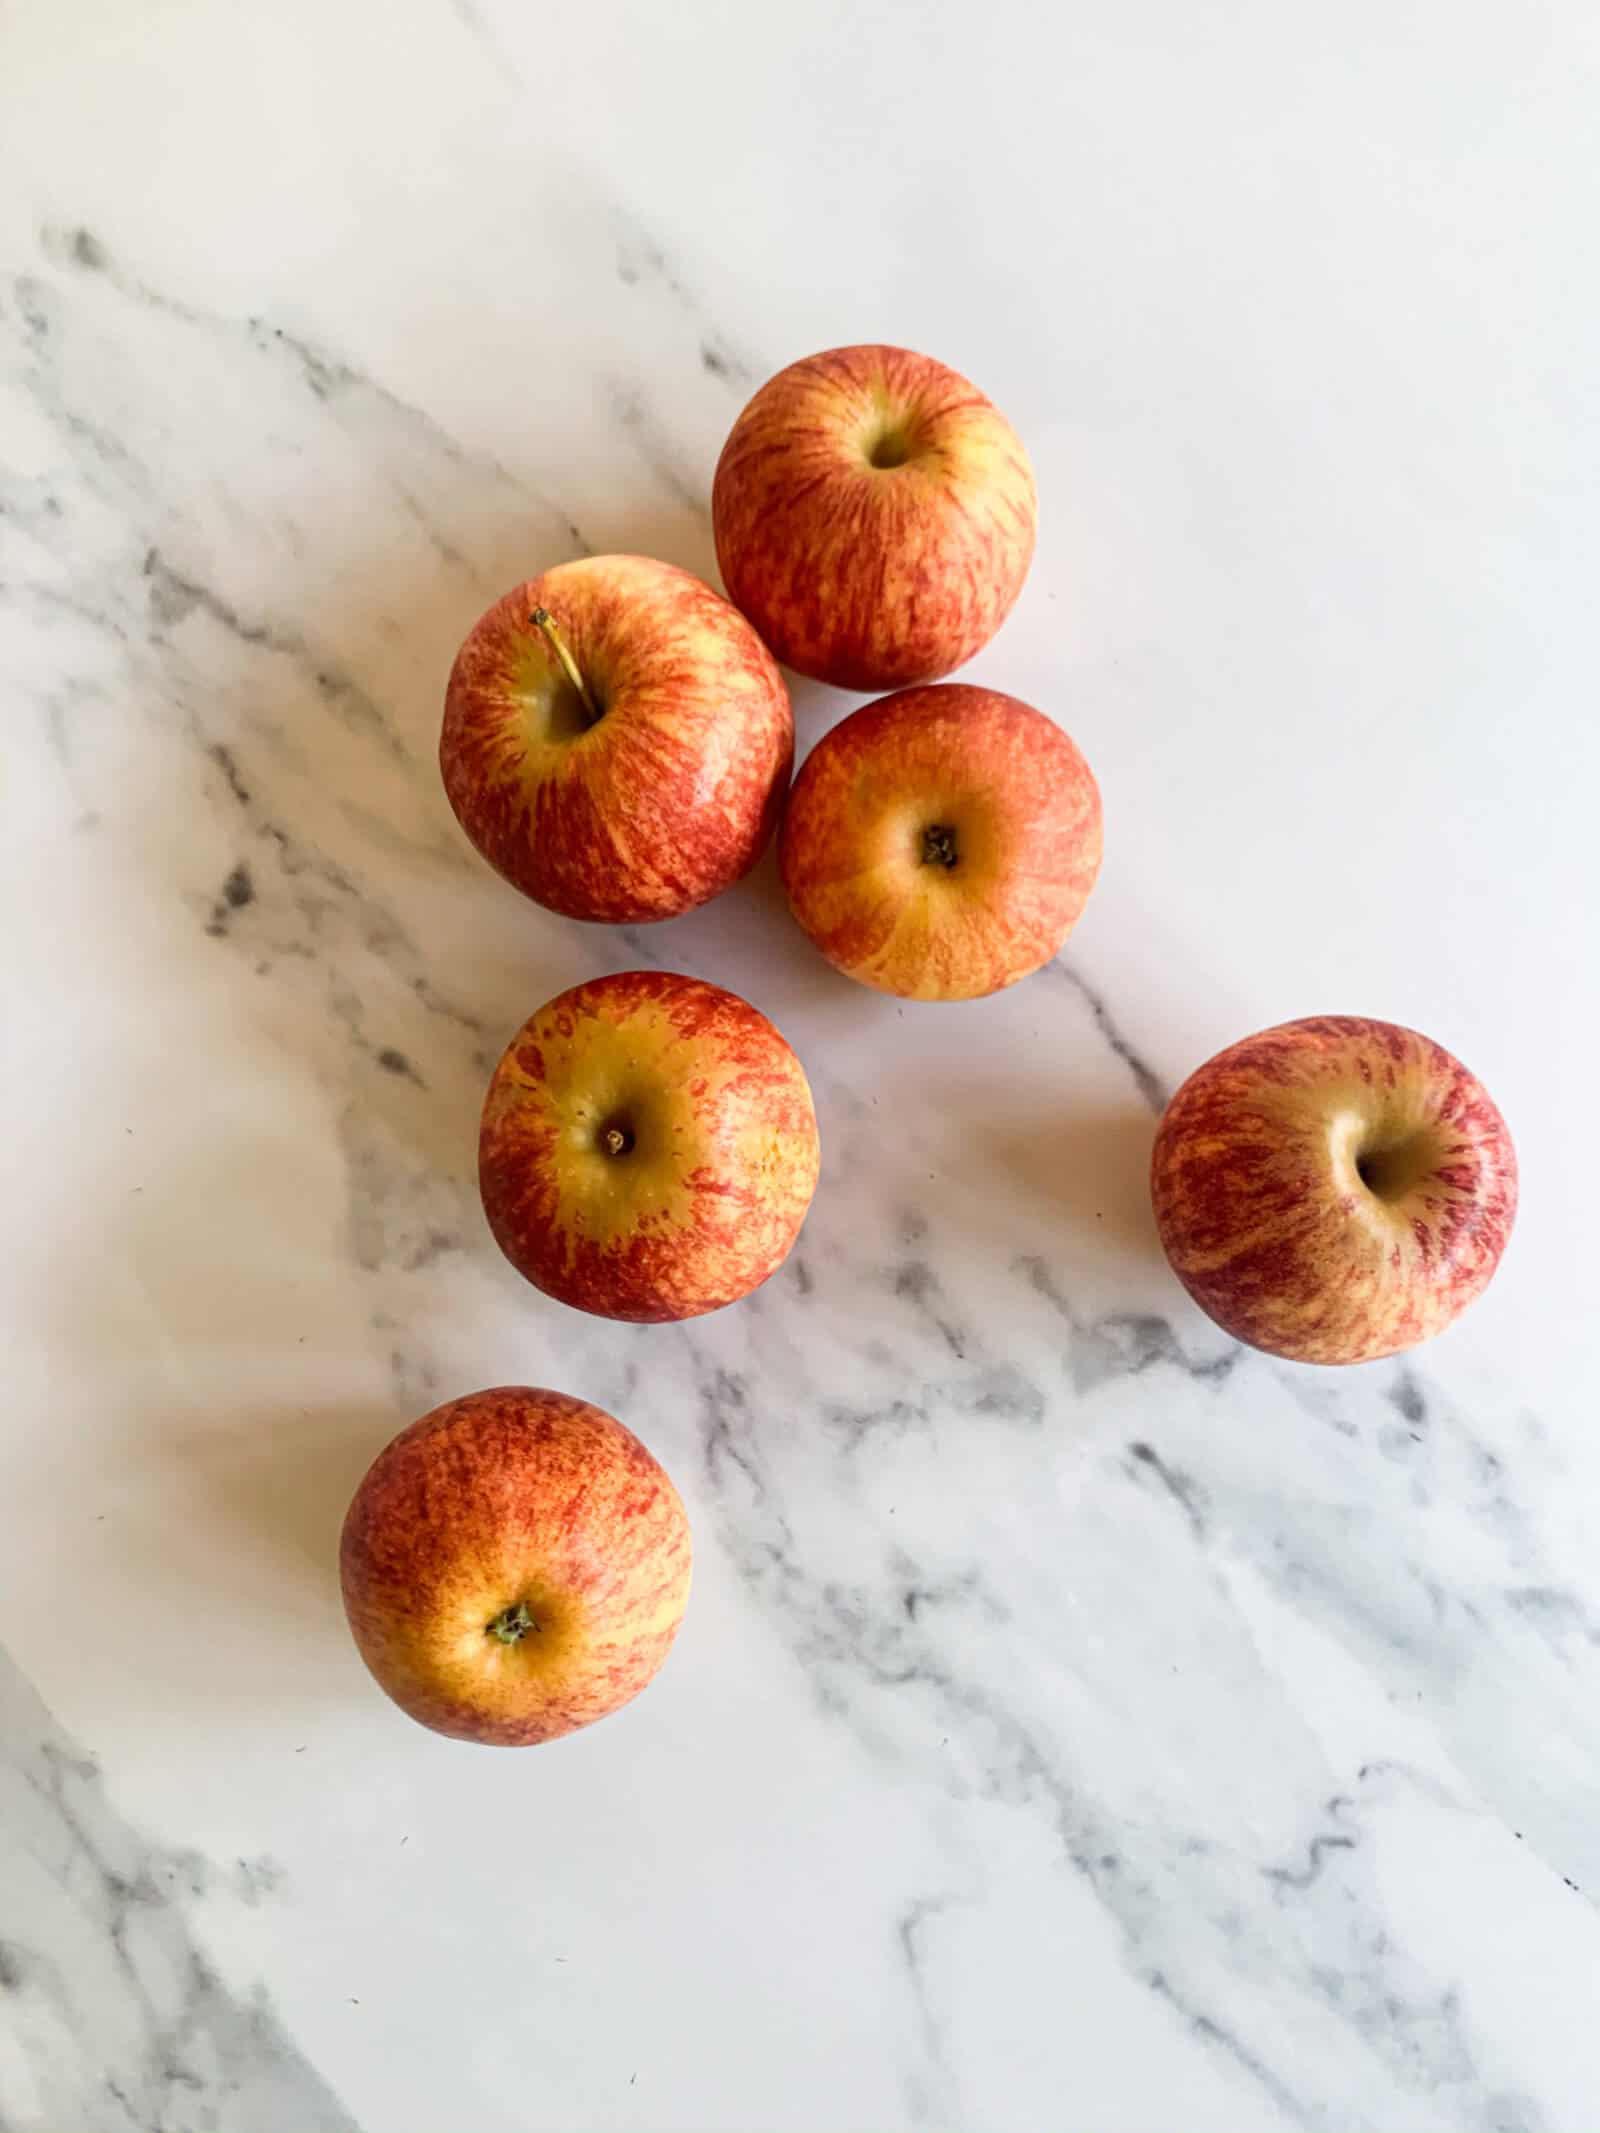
x=1081, y=1725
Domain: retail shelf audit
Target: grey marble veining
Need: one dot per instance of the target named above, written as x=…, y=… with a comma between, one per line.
x=111, y=2013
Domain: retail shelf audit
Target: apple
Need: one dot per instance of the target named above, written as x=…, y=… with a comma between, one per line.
x=941, y=842
x=874, y=517
x=617, y=741
x=648, y=1148
x=1333, y=1190
x=514, y=1565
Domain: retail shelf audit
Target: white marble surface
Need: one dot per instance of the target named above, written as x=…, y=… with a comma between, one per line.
x=1081, y=1726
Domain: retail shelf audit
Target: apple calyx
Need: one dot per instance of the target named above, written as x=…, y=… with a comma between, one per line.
x=544, y=622
x=616, y=1140
x=511, y=1624
x=938, y=846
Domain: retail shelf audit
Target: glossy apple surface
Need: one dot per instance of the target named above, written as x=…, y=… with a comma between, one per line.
x=514, y=1565
x=648, y=1147
x=1334, y=1190
x=941, y=843
x=874, y=517
x=648, y=789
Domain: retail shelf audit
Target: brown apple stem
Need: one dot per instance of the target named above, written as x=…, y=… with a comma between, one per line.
x=512, y=1624
x=544, y=621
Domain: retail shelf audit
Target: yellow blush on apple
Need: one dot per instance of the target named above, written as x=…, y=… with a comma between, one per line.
x=514, y=1565
x=942, y=842
x=648, y=1148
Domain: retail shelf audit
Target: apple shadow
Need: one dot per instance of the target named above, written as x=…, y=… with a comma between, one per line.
x=221, y=1537
x=1092, y=1168
x=283, y=1478
x=240, y=1367
x=272, y=1487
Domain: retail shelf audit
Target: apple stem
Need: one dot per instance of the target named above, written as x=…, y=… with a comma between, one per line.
x=545, y=622
x=512, y=1624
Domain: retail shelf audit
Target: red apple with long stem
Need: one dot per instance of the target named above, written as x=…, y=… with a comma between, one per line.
x=874, y=517
x=514, y=1565
x=617, y=741
x=648, y=1147
x=942, y=842
x=1335, y=1189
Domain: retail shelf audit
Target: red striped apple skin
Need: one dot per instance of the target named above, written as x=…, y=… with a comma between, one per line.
x=717, y=1159
x=866, y=574
x=668, y=797
x=942, y=842
x=1335, y=1189
x=529, y=1510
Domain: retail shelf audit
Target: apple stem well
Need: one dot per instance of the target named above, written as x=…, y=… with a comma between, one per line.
x=1395, y=1168
x=938, y=846
x=544, y=622
x=511, y=1624
x=890, y=449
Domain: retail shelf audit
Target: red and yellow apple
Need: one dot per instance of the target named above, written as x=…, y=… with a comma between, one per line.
x=874, y=517
x=941, y=842
x=617, y=741
x=1333, y=1190
x=648, y=1148
x=514, y=1565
